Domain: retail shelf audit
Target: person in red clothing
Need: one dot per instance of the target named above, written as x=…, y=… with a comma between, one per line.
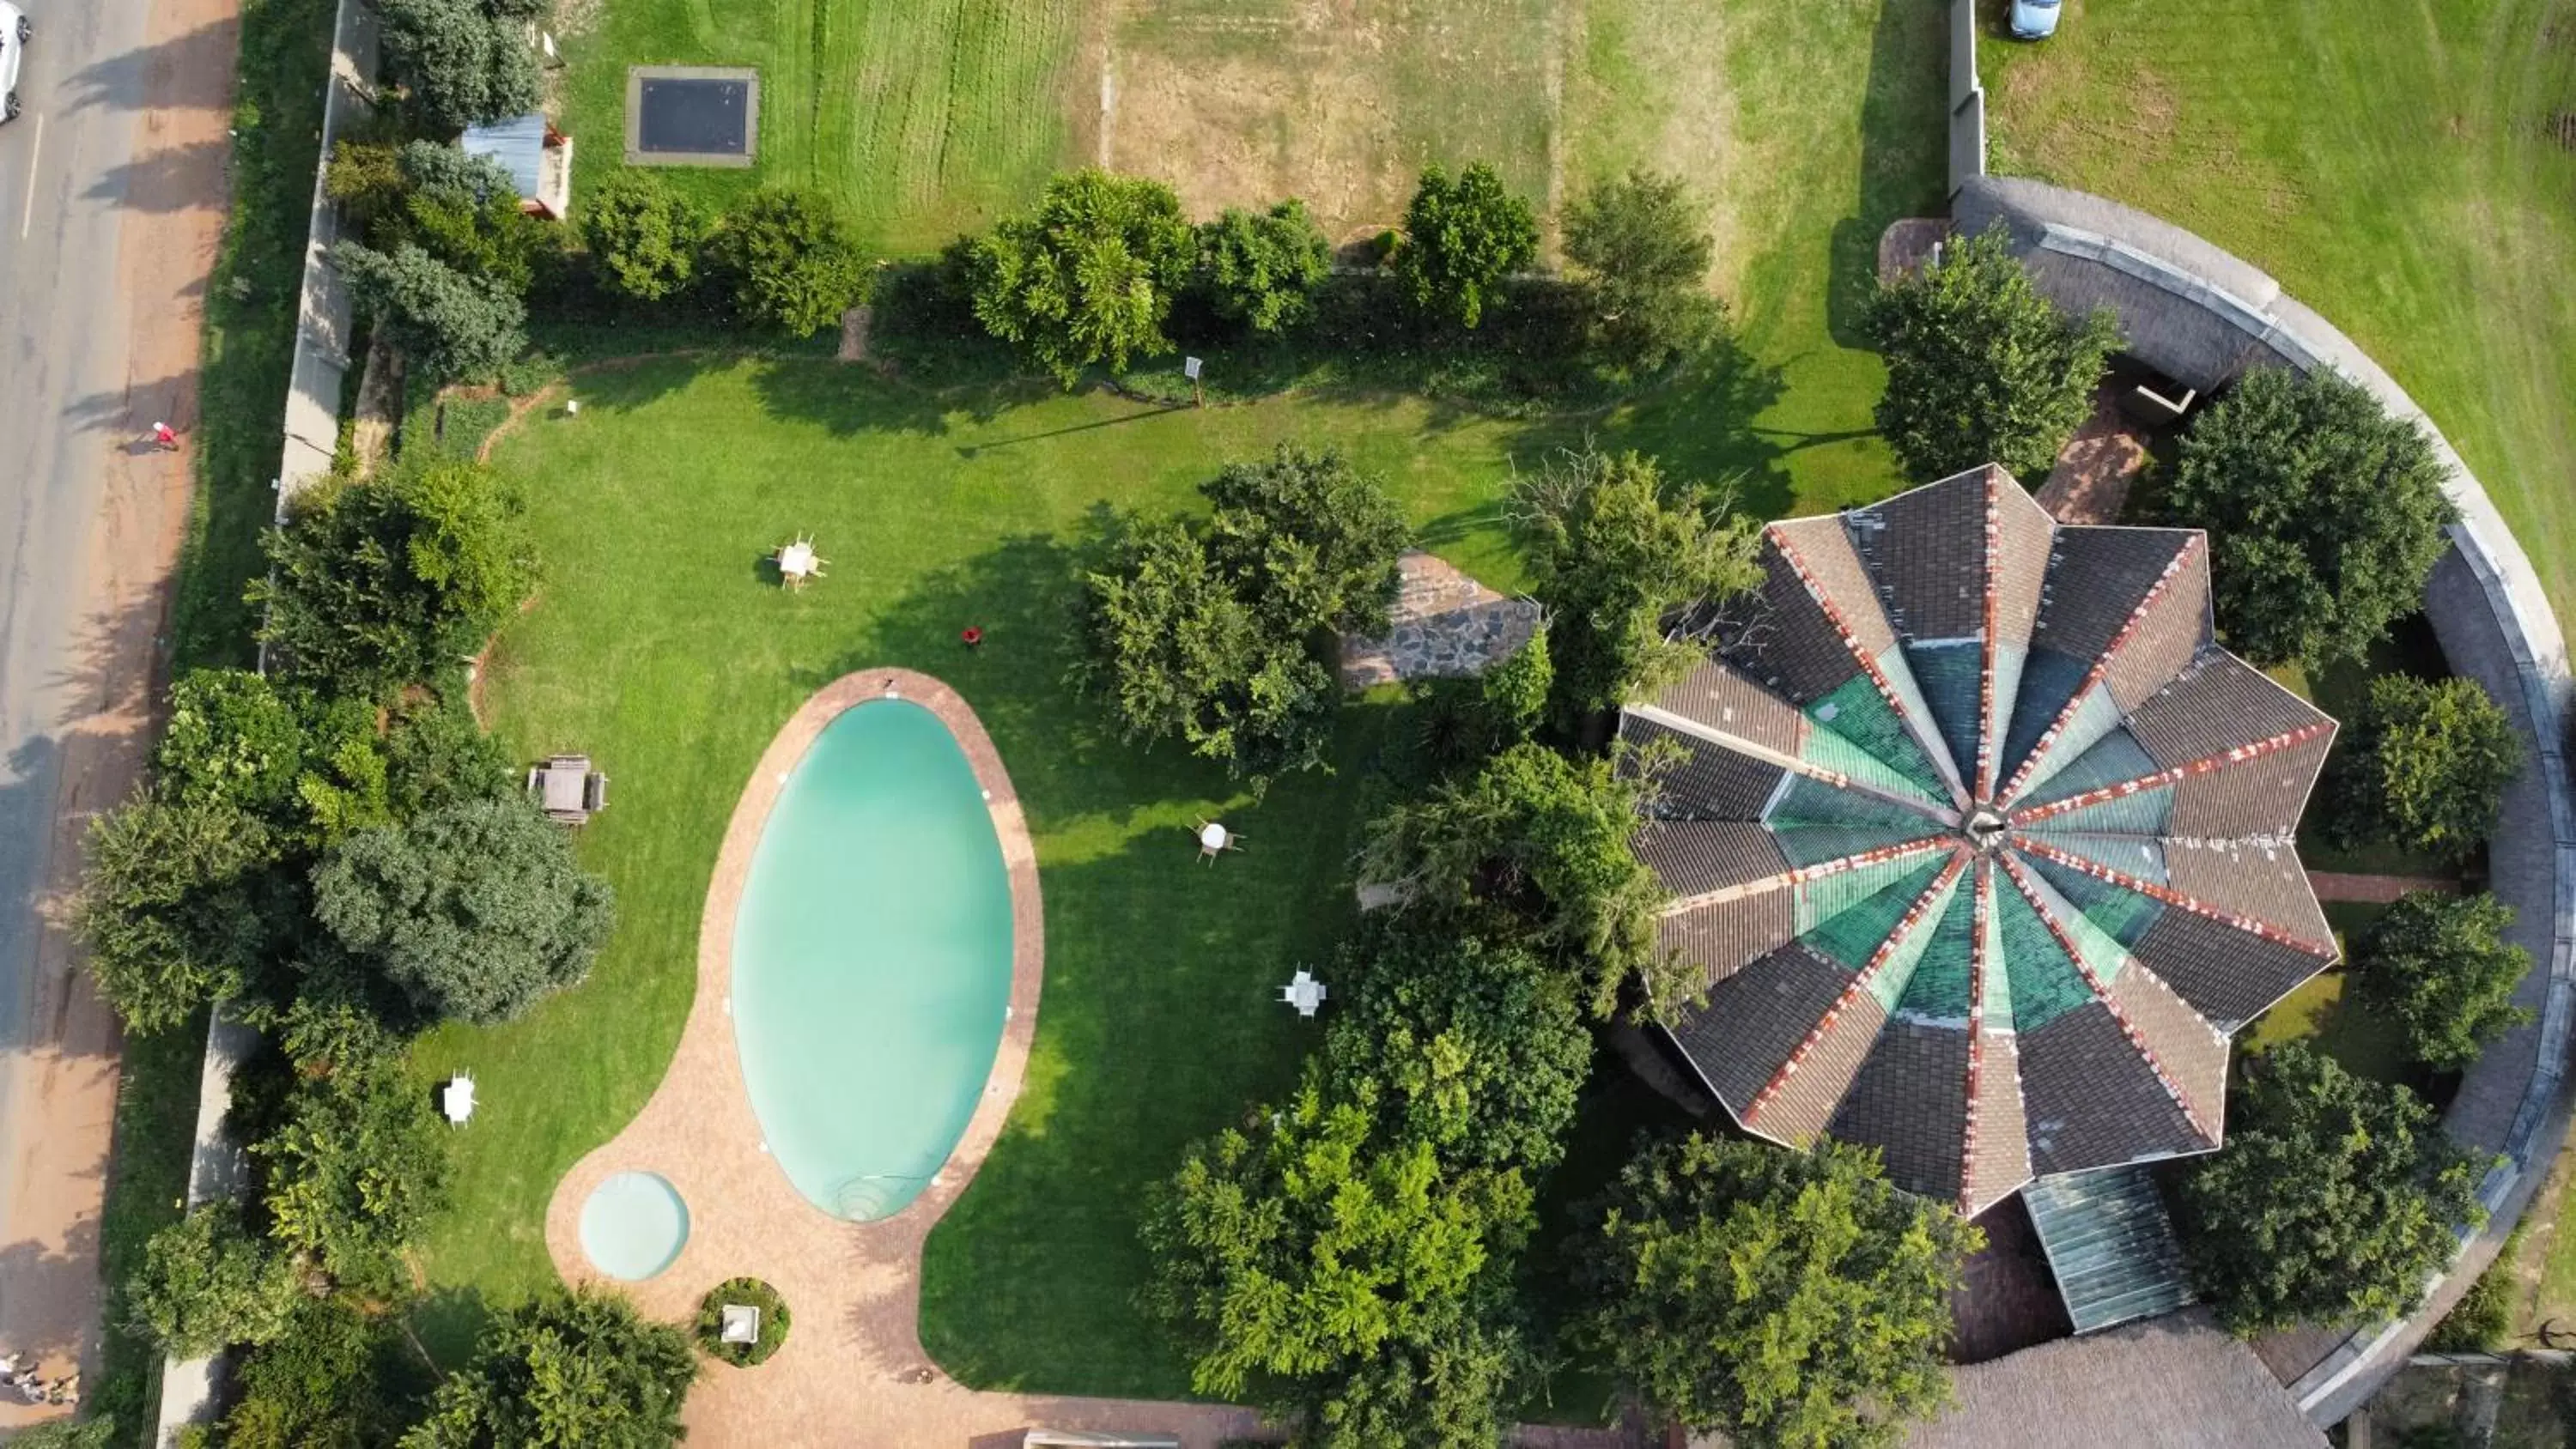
x=974, y=637
x=164, y=438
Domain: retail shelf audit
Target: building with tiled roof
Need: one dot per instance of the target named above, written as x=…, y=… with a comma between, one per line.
x=1983, y=843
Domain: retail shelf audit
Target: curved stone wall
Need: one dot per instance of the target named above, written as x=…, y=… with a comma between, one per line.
x=2203, y=316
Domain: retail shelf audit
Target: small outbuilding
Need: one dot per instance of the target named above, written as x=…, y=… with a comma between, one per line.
x=536, y=155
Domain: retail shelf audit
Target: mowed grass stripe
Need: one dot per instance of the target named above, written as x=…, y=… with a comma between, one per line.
x=925, y=117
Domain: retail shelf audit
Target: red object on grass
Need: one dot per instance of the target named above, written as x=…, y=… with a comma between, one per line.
x=973, y=636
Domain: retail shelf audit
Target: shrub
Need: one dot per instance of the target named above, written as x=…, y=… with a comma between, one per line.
x=314, y=1387
x=2333, y=1203
x=644, y=235
x=206, y=1284
x=2325, y=515
x=1640, y=245
x=2440, y=965
x=1980, y=367
x=377, y=584
x=463, y=61
x=474, y=911
x=1781, y=1298
x=773, y=1321
x=791, y=259
x=2483, y=1318
x=175, y=907
x=578, y=1367
x=1462, y=236
x=453, y=326
x=2426, y=767
x=355, y=1165
x=1261, y=269
x=1088, y=276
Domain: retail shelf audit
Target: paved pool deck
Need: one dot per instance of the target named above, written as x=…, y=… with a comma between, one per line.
x=852, y=1371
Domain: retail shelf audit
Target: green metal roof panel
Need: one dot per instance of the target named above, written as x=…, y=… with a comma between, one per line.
x=1858, y=734
x=2045, y=983
x=1854, y=934
x=1937, y=988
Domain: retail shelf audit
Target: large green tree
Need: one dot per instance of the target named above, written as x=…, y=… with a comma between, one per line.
x=568, y=1370
x=208, y=1283
x=1616, y=550
x=791, y=260
x=1641, y=250
x=1544, y=840
x=1299, y=1248
x=2440, y=966
x=1261, y=269
x=454, y=326
x=1087, y=276
x=2425, y=767
x=309, y=767
x=177, y=907
x=1781, y=1298
x=644, y=236
x=377, y=584
x=1980, y=367
x=2325, y=514
x=475, y=911
x=2334, y=1201
x=1463, y=235
x=1476, y=1047
x=463, y=61
x=1213, y=634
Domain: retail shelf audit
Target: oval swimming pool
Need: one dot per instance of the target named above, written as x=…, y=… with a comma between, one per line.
x=872, y=960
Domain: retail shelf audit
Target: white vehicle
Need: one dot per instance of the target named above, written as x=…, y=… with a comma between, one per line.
x=14, y=31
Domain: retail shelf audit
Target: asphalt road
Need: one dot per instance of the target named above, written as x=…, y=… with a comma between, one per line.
x=65, y=166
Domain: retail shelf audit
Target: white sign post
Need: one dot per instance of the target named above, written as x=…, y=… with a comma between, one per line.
x=1190, y=369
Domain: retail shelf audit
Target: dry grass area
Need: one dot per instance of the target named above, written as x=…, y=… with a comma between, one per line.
x=1342, y=102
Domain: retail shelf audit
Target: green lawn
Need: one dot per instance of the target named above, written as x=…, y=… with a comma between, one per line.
x=655, y=645
x=928, y=117
x=2398, y=167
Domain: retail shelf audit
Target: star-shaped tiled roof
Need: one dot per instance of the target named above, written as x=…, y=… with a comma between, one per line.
x=1985, y=847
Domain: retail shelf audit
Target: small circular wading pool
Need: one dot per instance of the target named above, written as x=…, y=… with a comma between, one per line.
x=633, y=1225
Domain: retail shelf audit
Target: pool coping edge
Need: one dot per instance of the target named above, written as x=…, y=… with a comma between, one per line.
x=699, y=1131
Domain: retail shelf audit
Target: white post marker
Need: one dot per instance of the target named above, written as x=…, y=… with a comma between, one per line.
x=1190, y=369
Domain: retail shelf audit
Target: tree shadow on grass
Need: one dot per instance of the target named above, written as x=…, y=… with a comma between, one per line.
x=1699, y=427
x=847, y=399
x=1903, y=156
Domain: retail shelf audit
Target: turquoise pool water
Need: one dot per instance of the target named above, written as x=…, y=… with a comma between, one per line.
x=872, y=960
x=633, y=1224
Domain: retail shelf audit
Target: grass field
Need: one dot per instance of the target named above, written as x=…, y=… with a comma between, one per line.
x=927, y=117
x=2402, y=169
x=656, y=646
x=1804, y=127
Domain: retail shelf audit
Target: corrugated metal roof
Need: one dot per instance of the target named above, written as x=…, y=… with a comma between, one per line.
x=518, y=145
x=2110, y=1245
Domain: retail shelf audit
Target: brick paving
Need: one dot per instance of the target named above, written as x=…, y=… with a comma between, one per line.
x=853, y=1371
x=2096, y=467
